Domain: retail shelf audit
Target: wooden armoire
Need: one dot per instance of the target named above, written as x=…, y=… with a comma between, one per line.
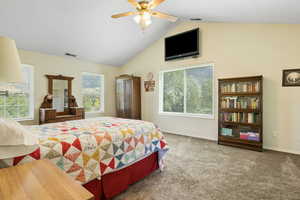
x=128, y=97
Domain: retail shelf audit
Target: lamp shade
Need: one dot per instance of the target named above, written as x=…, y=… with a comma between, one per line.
x=10, y=64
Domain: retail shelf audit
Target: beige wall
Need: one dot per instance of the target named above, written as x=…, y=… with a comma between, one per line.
x=47, y=64
x=236, y=50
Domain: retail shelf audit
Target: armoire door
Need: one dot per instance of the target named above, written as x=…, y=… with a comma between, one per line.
x=124, y=94
x=128, y=97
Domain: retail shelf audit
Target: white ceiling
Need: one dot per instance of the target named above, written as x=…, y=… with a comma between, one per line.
x=84, y=27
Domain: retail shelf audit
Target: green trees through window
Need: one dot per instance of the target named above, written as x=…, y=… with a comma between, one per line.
x=92, y=92
x=19, y=103
x=174, y=91
x=188, y=90
x=199, y=90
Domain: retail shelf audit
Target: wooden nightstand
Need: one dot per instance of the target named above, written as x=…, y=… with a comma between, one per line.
x=39, y=180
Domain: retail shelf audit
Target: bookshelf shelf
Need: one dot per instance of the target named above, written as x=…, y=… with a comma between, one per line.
x=240, y=94
x=241, y=124
x=256, y=143
x=241, y=112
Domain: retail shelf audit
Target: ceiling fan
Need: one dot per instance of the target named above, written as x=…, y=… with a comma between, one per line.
x=145, y=11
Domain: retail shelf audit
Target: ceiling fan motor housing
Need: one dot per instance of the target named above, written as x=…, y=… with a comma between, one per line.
x=144, y=6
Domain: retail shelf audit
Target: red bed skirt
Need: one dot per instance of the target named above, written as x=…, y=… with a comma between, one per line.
x=114, y=183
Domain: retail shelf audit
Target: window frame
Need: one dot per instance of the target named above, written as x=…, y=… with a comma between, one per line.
x=31, y=95
x=102, y=93
x=185, y=114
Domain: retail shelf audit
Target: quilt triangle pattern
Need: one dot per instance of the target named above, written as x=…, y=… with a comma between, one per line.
x=65, y=147
x=74, y=167
x=73, y=156
x=105, y=147
x=77, y=144
x=118, y=149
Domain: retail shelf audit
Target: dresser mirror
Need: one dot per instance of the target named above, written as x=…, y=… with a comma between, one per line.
x=60, y=95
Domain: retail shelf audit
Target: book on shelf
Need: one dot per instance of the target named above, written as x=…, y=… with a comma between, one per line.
x=241, y=117
x=249, y=135
x=226, y=131
x=240, y=103
x=241, y=87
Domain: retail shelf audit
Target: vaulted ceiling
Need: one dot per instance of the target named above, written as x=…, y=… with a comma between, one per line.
x=84, y=27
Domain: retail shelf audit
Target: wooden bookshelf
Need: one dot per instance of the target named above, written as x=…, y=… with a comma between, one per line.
x=241, y=112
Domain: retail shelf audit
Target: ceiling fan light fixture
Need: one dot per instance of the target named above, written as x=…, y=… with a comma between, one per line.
x=145, y=24
x=145, y=16
x=143, y=19
x=137, y=19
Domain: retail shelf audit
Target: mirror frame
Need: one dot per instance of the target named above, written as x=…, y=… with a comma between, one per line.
x=59, y=77
x=48, y=99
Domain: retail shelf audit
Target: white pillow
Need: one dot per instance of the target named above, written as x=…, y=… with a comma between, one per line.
x=15, y=139
x=12, y=133
x=7, y=152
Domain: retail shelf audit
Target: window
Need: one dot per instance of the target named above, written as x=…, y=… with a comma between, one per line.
x=18, y=104
x=187, y=91
x=93, y=92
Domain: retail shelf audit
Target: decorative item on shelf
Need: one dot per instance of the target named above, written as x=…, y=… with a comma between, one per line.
x=150, y=83
x=10, y=64
x=291, y=78
x=72, y=102
x=47, y=103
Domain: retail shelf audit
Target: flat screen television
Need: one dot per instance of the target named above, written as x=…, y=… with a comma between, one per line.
x=182, y=45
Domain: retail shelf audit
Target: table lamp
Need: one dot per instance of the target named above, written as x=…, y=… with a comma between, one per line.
x=10, y=72
x=10, y=64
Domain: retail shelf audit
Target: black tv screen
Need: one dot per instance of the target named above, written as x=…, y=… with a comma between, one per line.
x=182, y=45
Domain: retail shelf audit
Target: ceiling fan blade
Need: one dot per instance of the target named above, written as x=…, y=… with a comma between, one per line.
x=164, y=16
x=134, y=3
x=124, y=14
x=155, y=3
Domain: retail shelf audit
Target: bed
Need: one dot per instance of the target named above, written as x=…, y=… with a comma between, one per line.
x=103, y=154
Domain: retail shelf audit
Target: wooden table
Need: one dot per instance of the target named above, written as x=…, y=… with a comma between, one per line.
x=39, y=180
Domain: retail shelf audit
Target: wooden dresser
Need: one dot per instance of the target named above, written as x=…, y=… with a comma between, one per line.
x=49, y=115
x=128, y=97
x=39, y=180
x=59, y=104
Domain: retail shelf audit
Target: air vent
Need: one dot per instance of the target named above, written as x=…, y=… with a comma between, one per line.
x=71, y=55
x=195, y=19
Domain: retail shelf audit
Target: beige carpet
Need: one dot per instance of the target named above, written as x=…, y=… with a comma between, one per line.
x=203, y=170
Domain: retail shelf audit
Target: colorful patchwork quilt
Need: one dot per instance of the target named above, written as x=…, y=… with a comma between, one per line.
x=87, y=149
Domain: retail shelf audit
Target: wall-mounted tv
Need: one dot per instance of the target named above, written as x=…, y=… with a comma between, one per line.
x=182, y=45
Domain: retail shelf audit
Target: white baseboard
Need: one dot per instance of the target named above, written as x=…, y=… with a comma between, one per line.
x=282, y=150
x=213, y=139
x=189, y=135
